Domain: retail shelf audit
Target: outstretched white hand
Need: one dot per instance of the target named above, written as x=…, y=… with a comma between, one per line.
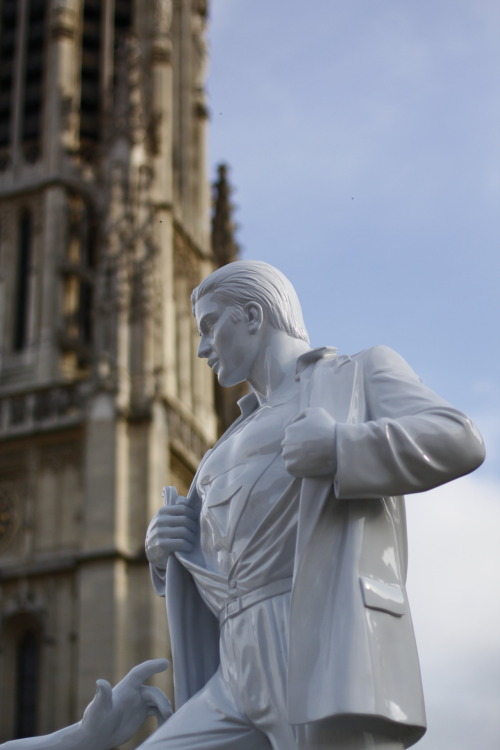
x=113, y=716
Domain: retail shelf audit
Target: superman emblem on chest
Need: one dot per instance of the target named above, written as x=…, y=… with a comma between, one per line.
x=237, y=483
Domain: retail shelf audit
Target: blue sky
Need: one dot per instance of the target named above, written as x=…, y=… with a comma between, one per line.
x=364, y=144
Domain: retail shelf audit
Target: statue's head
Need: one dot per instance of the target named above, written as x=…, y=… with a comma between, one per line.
x=245, y=281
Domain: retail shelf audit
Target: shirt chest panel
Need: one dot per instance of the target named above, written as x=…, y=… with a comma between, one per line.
x=241, y=481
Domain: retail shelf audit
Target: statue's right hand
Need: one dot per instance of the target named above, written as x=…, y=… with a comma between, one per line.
x=173, y=529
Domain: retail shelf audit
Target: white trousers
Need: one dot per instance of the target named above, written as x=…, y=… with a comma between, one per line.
x=243, y=706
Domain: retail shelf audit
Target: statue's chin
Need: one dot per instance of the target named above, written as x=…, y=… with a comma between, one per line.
x=228, y=380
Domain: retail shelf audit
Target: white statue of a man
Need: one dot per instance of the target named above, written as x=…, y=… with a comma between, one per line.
x=285, y=566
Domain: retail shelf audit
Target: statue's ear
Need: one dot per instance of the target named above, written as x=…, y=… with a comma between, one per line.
x=254, y=315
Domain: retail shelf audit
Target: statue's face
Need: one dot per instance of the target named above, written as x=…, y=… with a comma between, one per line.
x=225, y=342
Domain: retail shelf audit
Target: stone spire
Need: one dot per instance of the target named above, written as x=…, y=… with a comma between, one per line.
x=224, y=246
x=225, y=249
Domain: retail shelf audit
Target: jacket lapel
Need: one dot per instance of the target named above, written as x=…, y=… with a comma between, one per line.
x=332, y=384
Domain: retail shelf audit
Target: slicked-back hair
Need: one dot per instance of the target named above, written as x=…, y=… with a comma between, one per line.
x=244, y=281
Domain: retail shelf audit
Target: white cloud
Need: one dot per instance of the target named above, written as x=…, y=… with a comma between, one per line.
x=485, y=411
x=453, y=586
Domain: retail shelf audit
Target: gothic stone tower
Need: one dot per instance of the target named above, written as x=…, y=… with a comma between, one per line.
x=105, y=229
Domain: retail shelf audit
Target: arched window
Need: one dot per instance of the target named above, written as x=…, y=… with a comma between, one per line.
x=8, y=30
x=94, y=54
x=87, y=262
x=78, y=270
x=21, y=300
x=90, y=102
x=34, y=42
x=22, y=69
x=27, y=673
x=20, y=673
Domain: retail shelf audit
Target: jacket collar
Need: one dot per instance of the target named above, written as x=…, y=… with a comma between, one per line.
x=249, y=402
x=313, y=355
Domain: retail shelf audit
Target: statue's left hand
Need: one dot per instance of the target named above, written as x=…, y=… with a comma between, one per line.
x=309, y=444
x=115, y=714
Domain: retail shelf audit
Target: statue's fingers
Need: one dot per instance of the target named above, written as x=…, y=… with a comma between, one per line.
x=299, y=417
x=289, y=449
x=143, y=671
x=169, y=495
x=157, y=702
x=103, y=695
x=101, y=704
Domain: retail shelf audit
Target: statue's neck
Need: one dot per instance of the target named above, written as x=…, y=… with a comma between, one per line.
x=273, y=375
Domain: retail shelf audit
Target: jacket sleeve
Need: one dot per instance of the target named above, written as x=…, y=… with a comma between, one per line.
x=412, y=440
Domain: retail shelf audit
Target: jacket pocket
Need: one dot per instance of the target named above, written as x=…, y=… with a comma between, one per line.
x=386, y=597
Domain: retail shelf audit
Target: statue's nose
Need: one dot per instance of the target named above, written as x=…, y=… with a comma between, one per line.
x=204, y=348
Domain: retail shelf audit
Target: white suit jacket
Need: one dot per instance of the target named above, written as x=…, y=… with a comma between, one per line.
x=352, y=652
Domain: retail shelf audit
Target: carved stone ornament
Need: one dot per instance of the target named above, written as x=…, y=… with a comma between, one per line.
x=8, y=519
x=59, y=6
x=63, y=17
x=69, y=111
x=201, y=7
x=162, y=16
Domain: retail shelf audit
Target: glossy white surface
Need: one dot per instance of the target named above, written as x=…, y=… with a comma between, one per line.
x=307, y=485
